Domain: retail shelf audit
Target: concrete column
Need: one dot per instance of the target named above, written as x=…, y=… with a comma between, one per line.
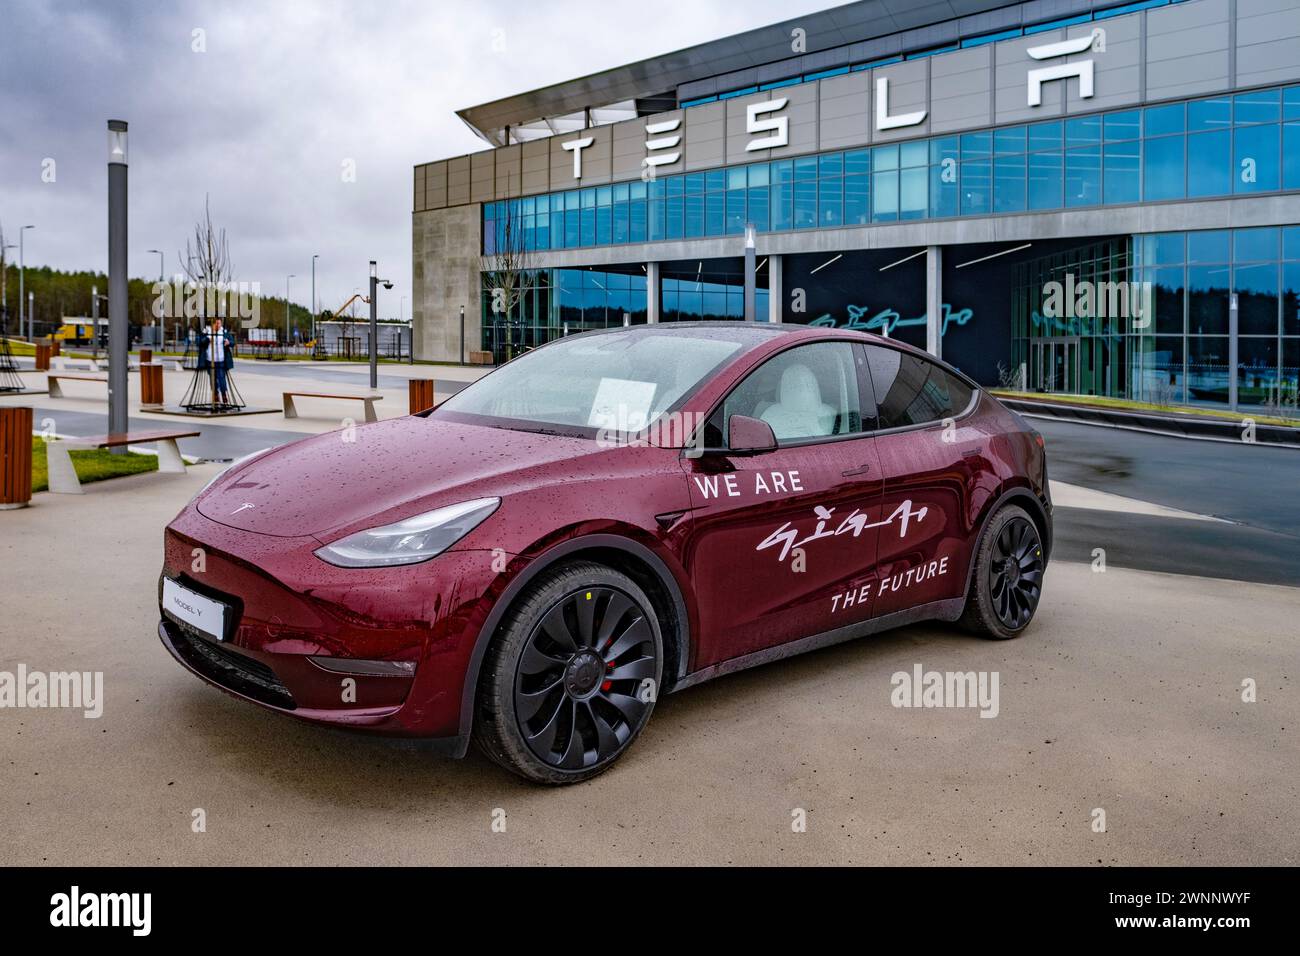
x=751, y=273
x=934, y=300
x=1234, y=351
x=652, y=291
x=775, y=289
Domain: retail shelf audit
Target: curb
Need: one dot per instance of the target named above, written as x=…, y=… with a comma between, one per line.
x=1174, y=426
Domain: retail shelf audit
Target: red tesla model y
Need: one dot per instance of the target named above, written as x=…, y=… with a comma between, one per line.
x=605, y=519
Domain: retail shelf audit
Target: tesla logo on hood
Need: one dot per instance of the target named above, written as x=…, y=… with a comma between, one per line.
x=244, y=506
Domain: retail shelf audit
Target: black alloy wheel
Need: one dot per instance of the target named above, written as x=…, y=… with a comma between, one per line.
x=580, y=685
x=1016, y=573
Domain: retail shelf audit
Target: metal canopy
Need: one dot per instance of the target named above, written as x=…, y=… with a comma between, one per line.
x=661, y=75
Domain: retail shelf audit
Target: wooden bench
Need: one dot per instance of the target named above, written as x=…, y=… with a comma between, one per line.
x=56, y=390
x=63, y=477
x=291, y=410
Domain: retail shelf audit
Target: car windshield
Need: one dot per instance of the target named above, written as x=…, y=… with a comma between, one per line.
x=617, y=381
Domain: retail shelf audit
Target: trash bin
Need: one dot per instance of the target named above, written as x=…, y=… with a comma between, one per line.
x=421, y=394
x=15, y=457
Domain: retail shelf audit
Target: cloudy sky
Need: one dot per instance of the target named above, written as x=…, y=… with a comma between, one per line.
x=264, y=118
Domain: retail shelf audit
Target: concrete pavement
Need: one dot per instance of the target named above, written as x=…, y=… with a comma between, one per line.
x=1124, y=696
x=85, y=409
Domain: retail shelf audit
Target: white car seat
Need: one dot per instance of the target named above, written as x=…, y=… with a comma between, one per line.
x=800, y=412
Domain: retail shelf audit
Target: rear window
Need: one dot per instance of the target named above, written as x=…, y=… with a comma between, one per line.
x=911, y=390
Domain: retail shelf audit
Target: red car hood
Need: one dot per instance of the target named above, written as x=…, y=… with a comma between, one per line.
x=324, y=483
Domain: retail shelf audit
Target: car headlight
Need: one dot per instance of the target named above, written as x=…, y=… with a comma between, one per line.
x=411, y=541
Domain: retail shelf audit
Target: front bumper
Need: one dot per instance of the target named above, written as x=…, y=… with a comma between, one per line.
x=288, y=606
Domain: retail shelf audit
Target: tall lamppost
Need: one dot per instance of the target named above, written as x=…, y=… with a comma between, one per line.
x=288, y=337
x=374, y=321
x=31, y=316
x=162, y=280
x=21, y=269
x=118, y=329
x=313, y=298
x=4, y=291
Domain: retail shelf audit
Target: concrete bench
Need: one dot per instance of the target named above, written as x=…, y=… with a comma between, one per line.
x=56, y=390
x=291, y=410
x=65, y=363
x=63, y=477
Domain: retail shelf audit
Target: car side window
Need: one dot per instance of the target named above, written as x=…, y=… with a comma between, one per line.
x=807, y=392
x=911, y=390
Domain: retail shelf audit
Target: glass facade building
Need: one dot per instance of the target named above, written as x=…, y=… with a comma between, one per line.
x=966, y=164
x=1211, y=292
x=1244, y=144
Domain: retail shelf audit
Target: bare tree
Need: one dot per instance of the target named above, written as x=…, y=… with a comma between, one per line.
x=509, y=267
x=207, y=258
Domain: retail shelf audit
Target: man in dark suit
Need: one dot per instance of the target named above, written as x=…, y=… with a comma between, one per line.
x=217, y=356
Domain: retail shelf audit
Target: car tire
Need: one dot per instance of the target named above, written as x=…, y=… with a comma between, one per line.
x=1007, y=579
x=571, y=677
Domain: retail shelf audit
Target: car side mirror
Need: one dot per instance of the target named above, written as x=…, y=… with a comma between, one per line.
x=749, y=436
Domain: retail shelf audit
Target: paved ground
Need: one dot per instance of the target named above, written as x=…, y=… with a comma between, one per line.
x=1124, y=696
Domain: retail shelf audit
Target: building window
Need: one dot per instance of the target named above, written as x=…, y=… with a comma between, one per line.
x=1214, y=146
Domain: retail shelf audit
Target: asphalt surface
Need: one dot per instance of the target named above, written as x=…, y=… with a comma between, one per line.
x=348, y=375
x=1256, y=488
x=1122, y=697
x=224, y=442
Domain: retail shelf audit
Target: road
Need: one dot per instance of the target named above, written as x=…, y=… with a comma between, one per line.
x=1256, y=488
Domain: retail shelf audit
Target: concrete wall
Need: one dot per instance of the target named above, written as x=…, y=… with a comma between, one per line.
x=445, y=246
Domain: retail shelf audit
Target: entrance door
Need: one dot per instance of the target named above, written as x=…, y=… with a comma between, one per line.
x=1056, y=364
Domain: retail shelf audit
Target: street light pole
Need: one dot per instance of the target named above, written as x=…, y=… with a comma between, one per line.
x=374, y=325
x=288, y=337
x=162, y=280
x=118, y=329
x=462, y=335
x=4, y=289
x=313, y=298
x=374, y=321
x=21, y=269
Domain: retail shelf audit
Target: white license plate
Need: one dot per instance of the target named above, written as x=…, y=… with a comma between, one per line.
x=207, y=615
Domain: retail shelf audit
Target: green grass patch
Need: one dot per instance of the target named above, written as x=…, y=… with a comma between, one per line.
x=93, y=464
x=1099, y=401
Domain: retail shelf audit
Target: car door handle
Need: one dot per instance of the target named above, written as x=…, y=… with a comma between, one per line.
x=854, y=472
